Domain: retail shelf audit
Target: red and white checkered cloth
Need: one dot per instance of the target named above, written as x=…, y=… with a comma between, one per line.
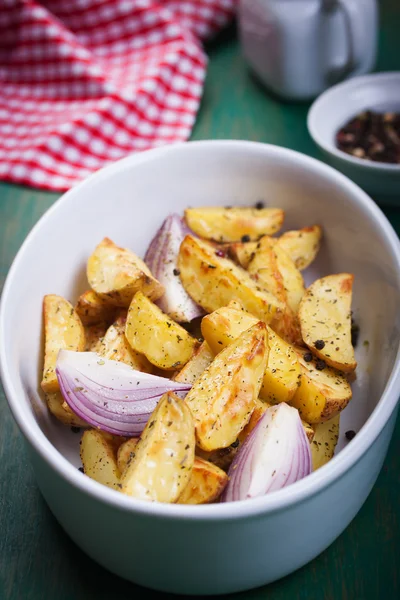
x=86, y=82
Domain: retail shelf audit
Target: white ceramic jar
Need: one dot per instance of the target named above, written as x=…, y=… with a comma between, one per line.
x=299, y=48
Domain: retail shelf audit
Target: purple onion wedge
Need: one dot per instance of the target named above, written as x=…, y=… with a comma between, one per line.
x=109, y=395
x=161, y=258
x=275, y=454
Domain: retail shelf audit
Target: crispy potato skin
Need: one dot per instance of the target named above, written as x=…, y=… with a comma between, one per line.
x=116, y=274
x=115, y=346
x=94, y=335
x=206, y=484
x=324, y=443
x=98, y=459
x=214, y=281
x=231, y=224
x=280, y=381
x=200, y=361
x=60, y=409
x=63, y=329
x=126, y=453
x=321, y=394
x=92, y=309
x=302, y=245
x=325, y=315
x=164, y=455
x=151, y=332
x=223, y=397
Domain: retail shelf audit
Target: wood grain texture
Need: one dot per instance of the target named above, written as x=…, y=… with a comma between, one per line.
x=37, y=559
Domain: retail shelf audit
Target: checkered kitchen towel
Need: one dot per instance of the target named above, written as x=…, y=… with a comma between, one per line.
x=86, y=82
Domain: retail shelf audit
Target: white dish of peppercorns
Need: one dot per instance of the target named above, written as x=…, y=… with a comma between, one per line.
x=356, y=124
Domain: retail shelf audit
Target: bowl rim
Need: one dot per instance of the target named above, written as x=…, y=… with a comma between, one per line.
x=276, y=501
x=343, y=88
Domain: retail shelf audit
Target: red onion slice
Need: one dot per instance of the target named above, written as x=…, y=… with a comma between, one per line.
x=161, y=258
x=275, y=454
x=109, y=394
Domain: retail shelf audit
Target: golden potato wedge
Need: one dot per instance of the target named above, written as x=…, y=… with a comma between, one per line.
x=242, y=252
x=94, y=335
x=281, y=378
x=116, y=274
x=301, y=245
x=62, y=330
x=164, y=455
x=325, y=320
x=60, y=409
x=259, y=409
x=231, y=224
x=151, y=332
x=206, y=483
x=223, y=397
x=126, y=453
x=115, y=346
x=324, y=443
x=93, y=309
x=98, y=459
x=322, y=393
x=213, y=281
x=114, y=440
x=201, y=359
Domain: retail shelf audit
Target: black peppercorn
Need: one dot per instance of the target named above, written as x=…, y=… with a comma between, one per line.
x=319, y=344
x=350, y=434
x=176, y=272
x=245, y=238
x=81, y=469
x=320, y=364
x=259, y=205
x=308, y=357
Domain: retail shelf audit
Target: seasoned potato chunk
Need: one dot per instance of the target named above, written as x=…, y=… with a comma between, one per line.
x=126, y=453
x=281, y=378
x=324, y=443
x=206, y=483
x=242, y=252
x=98, y=459
x=223, y=397
x=60, y=409
x=231, y=224
x=302, y=246
x=213, y=281
x=93, y=309
x=116, y=274
x=115, y=346
x=201, y=359
x=325, y=320
x=151, y=332
x=164, y=455
x=62, y=330
x=322, y=393
x=93, y=336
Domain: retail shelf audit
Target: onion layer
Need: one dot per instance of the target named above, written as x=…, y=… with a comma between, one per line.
x=161, y=258
x=275, y=454
x=108, y=394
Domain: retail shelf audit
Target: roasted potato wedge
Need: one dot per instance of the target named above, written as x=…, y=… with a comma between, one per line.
x=242, y=253
x=213, y=281
x=63, y=329
x=310, y=432
x=259, y=409
x=281, y=378
x=98, y=459
x=223, y=397
x=115, y=346
x=60, y=409
x=151, y=332
x=323, y=446
x=231, y=224
x=126, y=453
x=200, y=361
x=93, y=309
x=94, y=335
x=322, y=394
x=164, y=455
x=222, y=457
x=206, y=483
x=302, y=245
x=325, y=320
x=116, y=274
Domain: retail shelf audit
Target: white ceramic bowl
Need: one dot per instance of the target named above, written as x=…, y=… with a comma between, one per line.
x=335, y=107
x=216, y=548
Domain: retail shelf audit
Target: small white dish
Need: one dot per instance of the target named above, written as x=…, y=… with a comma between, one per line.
x=335, y=107
x=216, y=548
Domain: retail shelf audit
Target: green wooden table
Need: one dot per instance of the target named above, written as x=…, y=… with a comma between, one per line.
x=37, y=560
